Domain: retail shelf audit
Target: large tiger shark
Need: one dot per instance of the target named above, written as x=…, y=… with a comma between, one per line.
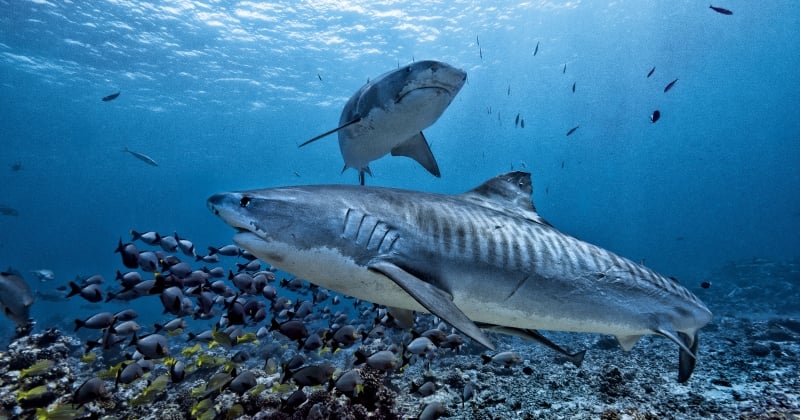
x=484, y=256
x=388, y=114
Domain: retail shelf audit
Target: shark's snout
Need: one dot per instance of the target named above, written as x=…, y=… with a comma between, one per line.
x=213, y=202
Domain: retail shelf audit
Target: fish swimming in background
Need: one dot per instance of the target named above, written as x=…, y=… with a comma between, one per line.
x=650, y=73
x=573, y=87
x=16, y=297
x=565, y=69
x=655, y=116
x=16, y=166
x=8, y=211
x=44, y=274
x=485, y=256
x=141, y=156
x=670, y=85
x=110, y=97
x=388, y=114
x=720, y=10
x=536, y=50
x=572, y=130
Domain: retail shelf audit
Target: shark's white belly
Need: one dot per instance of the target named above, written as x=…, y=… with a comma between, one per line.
x=328, y=268
x=384, y=129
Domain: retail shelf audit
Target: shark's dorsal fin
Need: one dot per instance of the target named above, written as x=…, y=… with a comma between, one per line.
x=329, y=132
x=417, y=148
x=509, y=192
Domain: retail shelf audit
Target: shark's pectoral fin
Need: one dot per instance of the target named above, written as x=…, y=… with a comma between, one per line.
x=417, y=148
x=329, y=132
x=435, y=300
x=534, y=335
x=687, y=358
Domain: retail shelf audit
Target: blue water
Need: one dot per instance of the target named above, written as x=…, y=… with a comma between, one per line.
x=220, y=93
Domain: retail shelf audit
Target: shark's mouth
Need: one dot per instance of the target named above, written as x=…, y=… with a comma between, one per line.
x=435, y=88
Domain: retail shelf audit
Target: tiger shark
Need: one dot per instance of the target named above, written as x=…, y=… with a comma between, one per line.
x=482, y=257
x=388, y=114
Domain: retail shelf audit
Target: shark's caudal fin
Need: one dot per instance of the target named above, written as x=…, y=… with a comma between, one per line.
x=687, y=359
x=435, y=300
x=417, y=148
x=329, y=132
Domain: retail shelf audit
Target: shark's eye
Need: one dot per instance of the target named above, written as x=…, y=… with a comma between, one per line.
x=244, y=201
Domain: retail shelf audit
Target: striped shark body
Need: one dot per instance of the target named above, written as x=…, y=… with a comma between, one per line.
x=485, y=256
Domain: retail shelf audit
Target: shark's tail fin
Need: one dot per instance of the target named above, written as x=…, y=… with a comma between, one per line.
x=687, y=359
x=688, y=350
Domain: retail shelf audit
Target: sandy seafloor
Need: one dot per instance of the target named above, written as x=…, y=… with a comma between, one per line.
x=748, y=368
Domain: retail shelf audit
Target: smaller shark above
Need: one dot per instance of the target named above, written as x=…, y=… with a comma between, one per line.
x=388, y=114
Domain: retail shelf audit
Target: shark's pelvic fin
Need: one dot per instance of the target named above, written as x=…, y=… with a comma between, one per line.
x=329, y=132
x=417, y=148
x=435, y=300
x=627, y=341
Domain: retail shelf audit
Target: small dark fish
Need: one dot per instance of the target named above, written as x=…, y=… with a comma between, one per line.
x=562, y=164
x=144, y=158
x=480, y=52
x=319, y=77
x=8, y=211
x=110, y=97
x=509, y=90
x=91, y=390
x=720, y=10
x=16, y=167
x=516, y=121
x=650, y=73
x=565, y=69
x=15, y=297
x=670, y=85
x=572, y=130
x=477, y=40
x=655, y=116
x=522, y=123
x=573, y=87
x=536, y=50
x=705, y=284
